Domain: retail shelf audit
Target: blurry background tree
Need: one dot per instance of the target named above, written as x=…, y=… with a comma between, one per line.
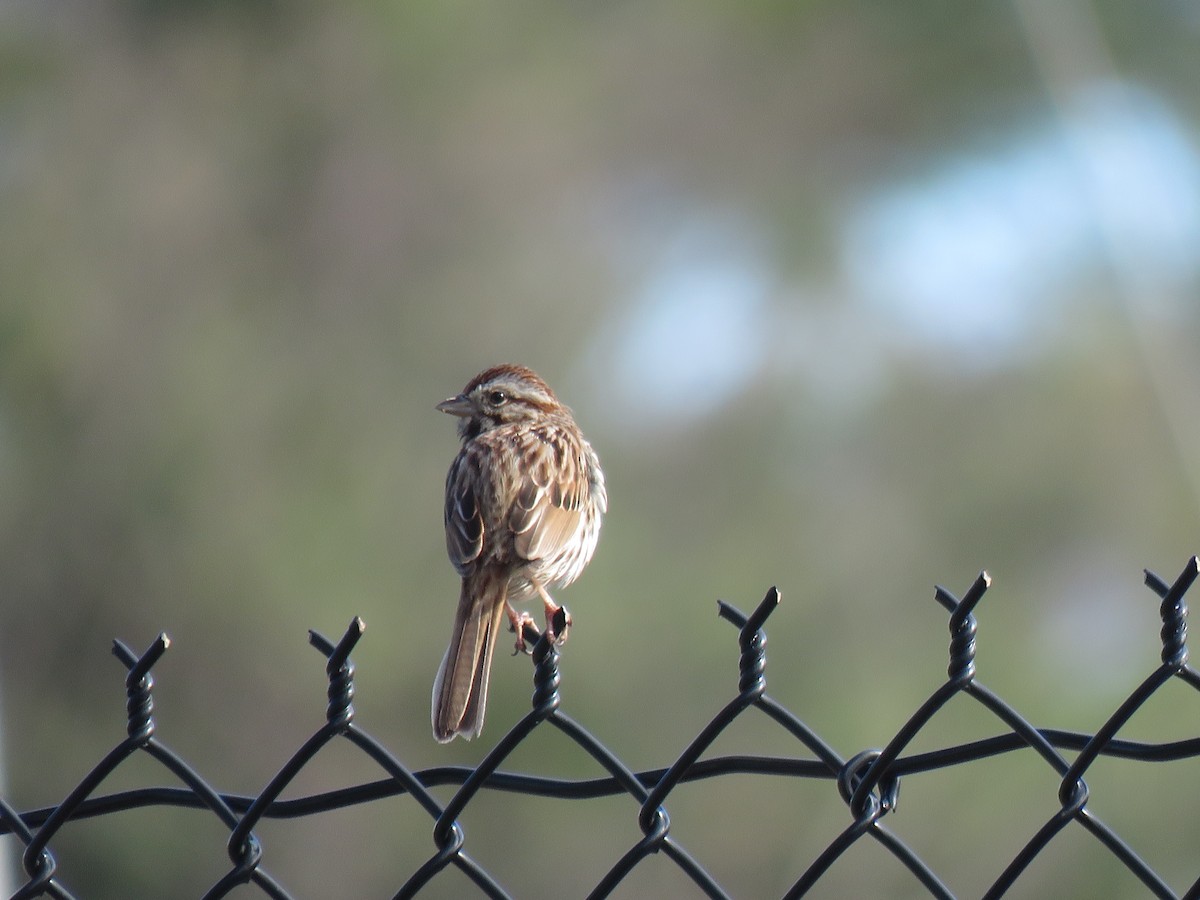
x=851, y=297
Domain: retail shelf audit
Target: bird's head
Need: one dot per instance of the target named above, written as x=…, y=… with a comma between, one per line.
x=498, y=396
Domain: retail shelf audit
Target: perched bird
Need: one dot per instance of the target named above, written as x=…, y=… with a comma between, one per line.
x=524, y=499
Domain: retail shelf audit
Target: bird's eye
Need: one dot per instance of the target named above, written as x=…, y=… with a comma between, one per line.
x=497, y=398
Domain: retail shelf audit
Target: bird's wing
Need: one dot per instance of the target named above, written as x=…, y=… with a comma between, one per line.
x=464, y=521
x=548, y=510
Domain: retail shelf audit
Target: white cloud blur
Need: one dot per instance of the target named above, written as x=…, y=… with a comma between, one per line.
x=971, y=266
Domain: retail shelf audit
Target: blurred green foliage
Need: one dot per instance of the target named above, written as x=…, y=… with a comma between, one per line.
x=244, y=248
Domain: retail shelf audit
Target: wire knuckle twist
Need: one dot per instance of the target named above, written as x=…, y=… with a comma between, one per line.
x=546, y=677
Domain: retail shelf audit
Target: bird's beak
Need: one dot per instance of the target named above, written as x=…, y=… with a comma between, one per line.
x=457, y=406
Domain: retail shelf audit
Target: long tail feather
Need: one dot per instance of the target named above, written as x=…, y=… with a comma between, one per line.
x=460, y=689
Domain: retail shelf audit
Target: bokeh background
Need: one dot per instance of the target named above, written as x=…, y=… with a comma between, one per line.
x=853, y=298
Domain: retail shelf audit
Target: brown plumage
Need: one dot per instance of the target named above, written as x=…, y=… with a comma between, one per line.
x=524, y=499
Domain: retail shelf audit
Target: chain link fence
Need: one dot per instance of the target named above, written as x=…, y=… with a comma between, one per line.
x=868, y=782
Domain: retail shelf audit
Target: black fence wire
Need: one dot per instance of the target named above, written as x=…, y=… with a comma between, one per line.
x=869, y=782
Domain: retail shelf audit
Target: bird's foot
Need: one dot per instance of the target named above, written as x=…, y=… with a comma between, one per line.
x=517, y=622
x=558, y=621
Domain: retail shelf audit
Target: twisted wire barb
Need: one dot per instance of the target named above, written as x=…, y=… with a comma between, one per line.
x=37, y=860
x=869, y=782
x=243, y=847
x=1073, y=791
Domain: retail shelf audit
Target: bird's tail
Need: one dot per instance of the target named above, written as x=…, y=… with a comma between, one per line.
x=460, y=689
